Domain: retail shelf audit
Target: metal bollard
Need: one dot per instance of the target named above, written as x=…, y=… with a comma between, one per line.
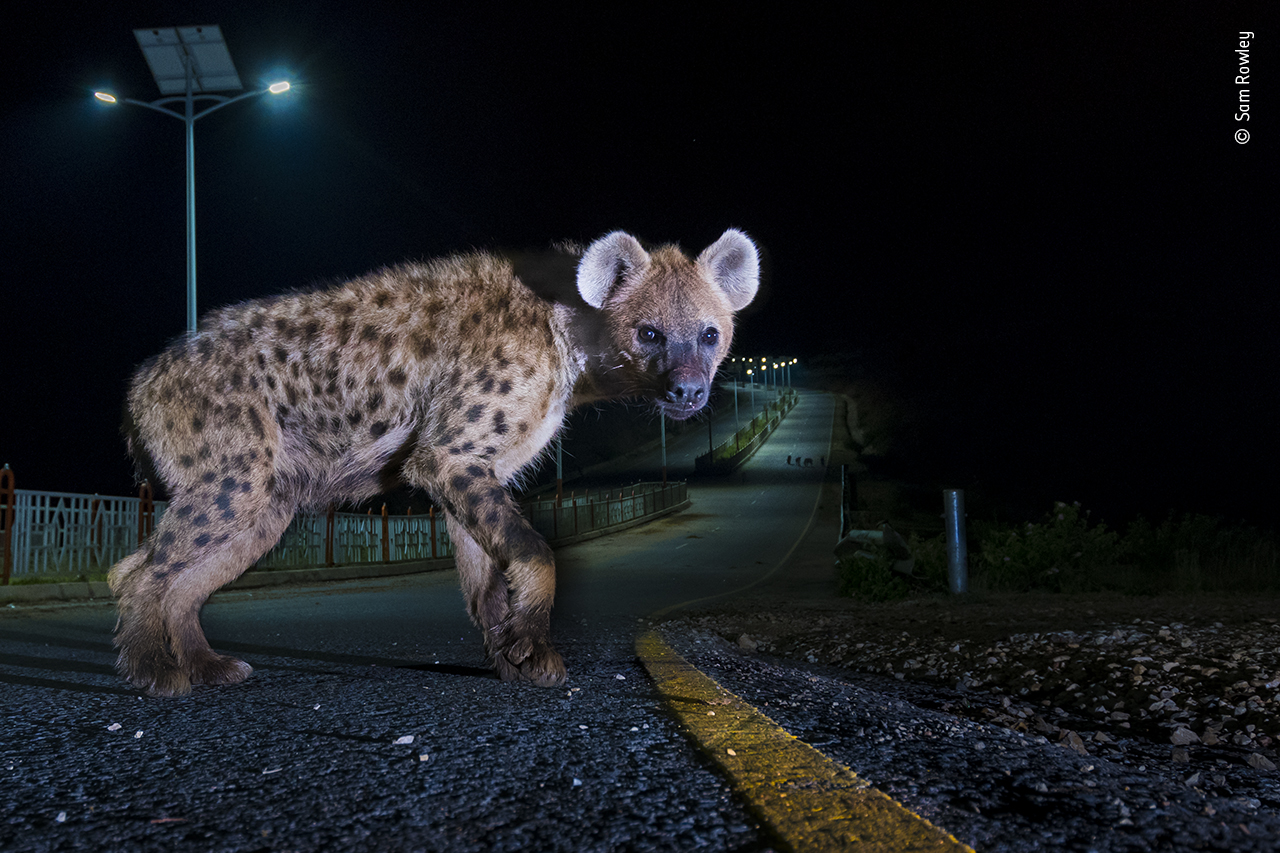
x=957, y=544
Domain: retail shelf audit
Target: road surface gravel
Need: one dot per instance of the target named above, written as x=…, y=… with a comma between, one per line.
x=1024, y=723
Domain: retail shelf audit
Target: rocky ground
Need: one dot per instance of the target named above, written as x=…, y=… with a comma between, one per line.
x=1189, y=681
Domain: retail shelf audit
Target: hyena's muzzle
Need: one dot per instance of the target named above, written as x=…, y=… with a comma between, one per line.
x=687, y=389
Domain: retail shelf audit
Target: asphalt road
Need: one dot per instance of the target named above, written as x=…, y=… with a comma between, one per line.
x=368, y=723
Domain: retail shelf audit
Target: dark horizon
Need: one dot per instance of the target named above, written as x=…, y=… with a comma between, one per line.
x=1034, y=232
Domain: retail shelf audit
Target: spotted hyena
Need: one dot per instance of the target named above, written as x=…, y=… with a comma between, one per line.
x=451, y=376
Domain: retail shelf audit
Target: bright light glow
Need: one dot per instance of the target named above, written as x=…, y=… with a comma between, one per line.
x=104, y=96
x=277, y=88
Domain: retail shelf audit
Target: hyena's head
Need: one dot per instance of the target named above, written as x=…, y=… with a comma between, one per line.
x=669, y=319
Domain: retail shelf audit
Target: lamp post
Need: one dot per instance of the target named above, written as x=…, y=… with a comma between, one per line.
x=737, y=386
x=192, y=61
x=662, y=431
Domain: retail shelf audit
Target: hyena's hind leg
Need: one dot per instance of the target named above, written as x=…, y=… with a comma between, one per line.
x=188, y=592
x=145, y=659
x=162, y=587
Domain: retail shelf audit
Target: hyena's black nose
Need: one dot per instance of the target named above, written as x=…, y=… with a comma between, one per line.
x=687, y=391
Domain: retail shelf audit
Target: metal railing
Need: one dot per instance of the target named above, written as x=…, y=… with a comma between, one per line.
x=577, y=515
x=63, y=533
x=341, y=538
x=739, y=447
x=56, y=534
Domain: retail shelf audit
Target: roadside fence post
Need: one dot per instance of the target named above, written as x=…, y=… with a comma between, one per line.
x=431, y=520
x=849, y=499
x=95, y=522
x=559, y=472
x=328, y=535
x=6, y=521
x=386, y=536
x=146, y=511
x=97, y=541
x=957, y=544
x=662, y=432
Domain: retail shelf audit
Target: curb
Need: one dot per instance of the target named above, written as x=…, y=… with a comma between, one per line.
x=37, y=593
x=809, y=801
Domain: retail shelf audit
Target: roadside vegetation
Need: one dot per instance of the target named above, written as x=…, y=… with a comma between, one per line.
x=1069, y=552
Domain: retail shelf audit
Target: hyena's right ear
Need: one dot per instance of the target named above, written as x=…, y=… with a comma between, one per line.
x=607, y=262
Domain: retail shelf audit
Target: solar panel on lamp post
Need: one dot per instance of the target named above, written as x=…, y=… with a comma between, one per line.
x=194, y=62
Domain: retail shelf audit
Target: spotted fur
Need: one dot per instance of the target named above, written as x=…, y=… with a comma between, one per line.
x=451, y=376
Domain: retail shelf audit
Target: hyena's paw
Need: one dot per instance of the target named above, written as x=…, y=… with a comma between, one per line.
x=219, y=669
x=156, y=674
x=530, y=659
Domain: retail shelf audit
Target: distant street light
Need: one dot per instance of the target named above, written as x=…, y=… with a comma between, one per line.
x=195, y=62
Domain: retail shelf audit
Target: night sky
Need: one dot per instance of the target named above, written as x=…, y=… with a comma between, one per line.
x=1031, y=232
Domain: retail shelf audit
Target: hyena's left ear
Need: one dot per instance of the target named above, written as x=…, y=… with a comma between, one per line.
x=732, y=263
x=608, y=261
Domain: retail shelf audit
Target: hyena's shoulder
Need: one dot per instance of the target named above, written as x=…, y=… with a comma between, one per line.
x=390, y=329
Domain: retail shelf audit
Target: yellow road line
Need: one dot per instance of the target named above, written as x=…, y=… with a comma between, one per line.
x=811, y=802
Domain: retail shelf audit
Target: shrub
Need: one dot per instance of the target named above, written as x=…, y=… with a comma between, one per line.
x=1068, y=553
x=1198, y=553
x=1063, y=553
x=931, y=561
x=869, y=575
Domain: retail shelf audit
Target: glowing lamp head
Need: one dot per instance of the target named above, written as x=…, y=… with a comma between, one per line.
x=105, y=97
x=277, y=88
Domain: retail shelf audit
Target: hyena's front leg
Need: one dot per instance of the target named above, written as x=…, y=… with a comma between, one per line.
x=508, y=575
x=484, y=587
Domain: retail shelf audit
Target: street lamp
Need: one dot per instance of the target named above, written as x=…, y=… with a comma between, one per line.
x=192, y=61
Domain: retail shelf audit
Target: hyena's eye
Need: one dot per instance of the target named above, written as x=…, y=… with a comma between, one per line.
x=649, y=335
x=710, y=337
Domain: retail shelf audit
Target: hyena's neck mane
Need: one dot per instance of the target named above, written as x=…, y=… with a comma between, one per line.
x=602, y=372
